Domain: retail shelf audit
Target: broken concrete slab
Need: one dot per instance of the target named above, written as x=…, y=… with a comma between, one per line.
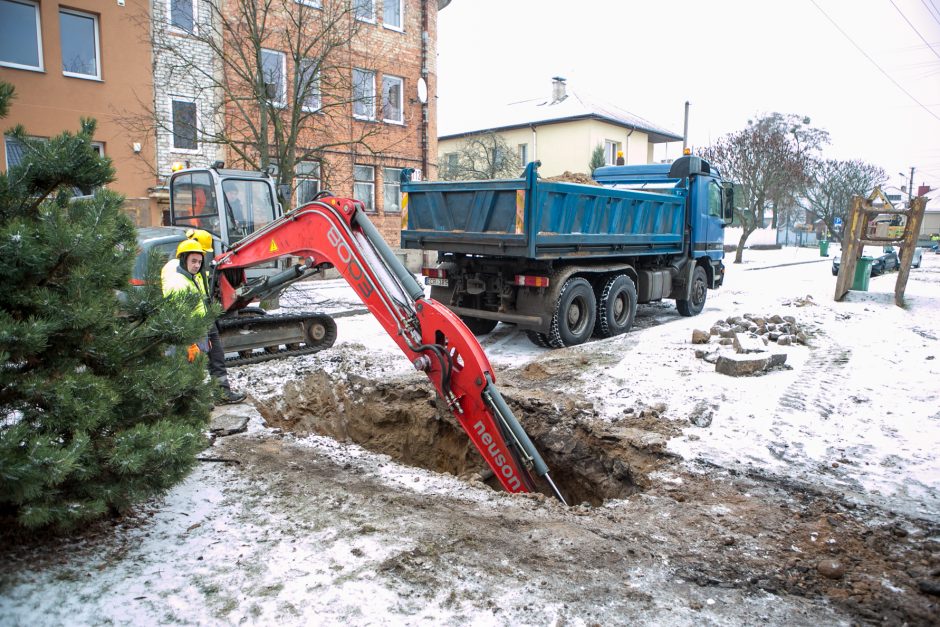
x=230, y=419
x=748, y=344
x=742, y=365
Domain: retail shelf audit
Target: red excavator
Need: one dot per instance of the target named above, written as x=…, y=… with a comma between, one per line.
x=335, y=232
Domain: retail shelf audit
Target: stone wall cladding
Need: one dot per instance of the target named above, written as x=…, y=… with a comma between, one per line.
x=170, y=79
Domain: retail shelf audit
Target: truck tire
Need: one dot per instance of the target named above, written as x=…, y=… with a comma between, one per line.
x=479, y=326
x=574, y=315
x=539, y=339
x=696, y=303
x=616, y=306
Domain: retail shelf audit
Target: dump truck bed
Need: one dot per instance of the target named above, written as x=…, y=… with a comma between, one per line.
x=537, y=219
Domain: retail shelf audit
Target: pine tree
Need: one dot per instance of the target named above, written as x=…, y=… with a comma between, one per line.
x=94, y=415
x=597, y=159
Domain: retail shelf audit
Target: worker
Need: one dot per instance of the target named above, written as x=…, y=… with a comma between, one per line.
x=620, y=160
x=185, y=277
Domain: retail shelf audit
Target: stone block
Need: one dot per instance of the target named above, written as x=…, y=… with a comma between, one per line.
x=742, y=365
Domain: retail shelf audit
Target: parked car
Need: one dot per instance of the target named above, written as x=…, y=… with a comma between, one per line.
x=884, y=260
x=163, y=240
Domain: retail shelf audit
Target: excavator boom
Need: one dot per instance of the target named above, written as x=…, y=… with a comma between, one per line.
x=335, y=231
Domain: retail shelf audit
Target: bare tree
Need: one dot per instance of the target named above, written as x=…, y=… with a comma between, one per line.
x=831, y=185
x=768, y=161
x=286, y=82
x=484, y=156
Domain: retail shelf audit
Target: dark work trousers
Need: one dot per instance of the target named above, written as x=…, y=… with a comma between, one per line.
x=217, y=358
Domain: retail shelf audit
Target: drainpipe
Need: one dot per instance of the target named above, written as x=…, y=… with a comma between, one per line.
x=685, y=129
x=425, y=40
x=535, y=145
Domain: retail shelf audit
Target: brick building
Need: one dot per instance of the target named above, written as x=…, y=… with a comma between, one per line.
x=345, y=89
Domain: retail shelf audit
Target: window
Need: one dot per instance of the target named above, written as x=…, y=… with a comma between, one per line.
x=714, y=199
x=79, y=33
x=523, y=150
x=451, y=161
x=364, y=10
x=364, y=185
x=391, y=182
x=183, y=15
x=392, y=12
x=392, y=104
x=307, y=174
x=316, y=4
x=364, y=94
x=14, y=149
x=20, y=37
x=611, y=148
x=184, y=125
x=248, y=205
x=194, y=202
x=309, y=89
x=274, y=69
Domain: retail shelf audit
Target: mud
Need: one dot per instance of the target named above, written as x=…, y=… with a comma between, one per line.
x=715, y=528
x=591, y=461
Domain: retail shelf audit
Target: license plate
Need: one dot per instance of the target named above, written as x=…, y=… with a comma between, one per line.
x=436, y=282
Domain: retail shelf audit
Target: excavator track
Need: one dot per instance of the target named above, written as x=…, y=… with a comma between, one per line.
x=279, y=336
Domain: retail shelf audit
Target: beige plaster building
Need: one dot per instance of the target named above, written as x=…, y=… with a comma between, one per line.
x=562, y=131
x=83, y=58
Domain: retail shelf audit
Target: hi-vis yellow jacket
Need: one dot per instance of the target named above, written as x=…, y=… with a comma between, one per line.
x=176, y=279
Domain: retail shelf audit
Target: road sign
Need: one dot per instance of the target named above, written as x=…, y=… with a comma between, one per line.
x=837, y=222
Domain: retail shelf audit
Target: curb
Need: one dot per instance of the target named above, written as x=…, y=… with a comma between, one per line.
x=792, y=263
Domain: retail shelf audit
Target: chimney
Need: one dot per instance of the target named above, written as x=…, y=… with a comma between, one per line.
x=923, y=190
x=558, y=89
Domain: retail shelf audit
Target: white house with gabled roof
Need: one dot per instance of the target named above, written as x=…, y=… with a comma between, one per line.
x=561, y=131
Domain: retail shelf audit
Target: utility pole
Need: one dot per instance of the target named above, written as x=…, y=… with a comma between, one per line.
x=685, y=129
x=910, y=186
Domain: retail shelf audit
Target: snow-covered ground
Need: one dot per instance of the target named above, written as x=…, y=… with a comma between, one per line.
x=295, y=538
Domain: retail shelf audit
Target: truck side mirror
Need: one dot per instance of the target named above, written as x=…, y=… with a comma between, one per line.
x=727, y=202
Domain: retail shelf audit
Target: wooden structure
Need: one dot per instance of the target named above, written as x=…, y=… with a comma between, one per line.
x=864, y=230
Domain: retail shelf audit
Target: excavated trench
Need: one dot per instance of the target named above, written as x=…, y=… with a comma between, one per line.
x=590, y=461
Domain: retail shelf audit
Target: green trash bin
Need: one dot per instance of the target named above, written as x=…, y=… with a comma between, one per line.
x=823, y=248
x=862, y=274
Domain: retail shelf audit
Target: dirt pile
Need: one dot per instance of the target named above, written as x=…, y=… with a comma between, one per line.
x=573, y=177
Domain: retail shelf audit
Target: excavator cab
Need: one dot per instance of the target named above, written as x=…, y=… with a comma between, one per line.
x=230, y=204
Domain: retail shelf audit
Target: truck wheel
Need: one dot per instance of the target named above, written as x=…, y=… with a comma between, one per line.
x=539, y=339
x=616, y=306
x=479, y=326
x=574, y=316
x=694, y=305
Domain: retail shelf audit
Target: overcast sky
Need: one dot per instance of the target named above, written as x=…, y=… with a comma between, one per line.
x=731, y=59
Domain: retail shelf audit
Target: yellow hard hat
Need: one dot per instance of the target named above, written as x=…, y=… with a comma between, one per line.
x=188, y=246
x=203, y=237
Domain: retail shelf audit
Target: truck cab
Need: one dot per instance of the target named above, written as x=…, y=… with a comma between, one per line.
x=709, y=201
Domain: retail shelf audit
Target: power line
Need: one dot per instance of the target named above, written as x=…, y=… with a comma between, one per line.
x=930, y=9
x=875, y=63
x=922, y=38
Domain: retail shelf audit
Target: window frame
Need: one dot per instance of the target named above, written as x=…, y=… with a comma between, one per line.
x=356, y=5
x=195, y=103
x=356, y=100
x=313, y=4
x=370, y=183
x=95, y=20
x=316, y=80
x=401, y=99
x=394, y=183
x=610, y=157
x=400, y=28
x=38, y=19
x=282, y=102
x=523, y=151
x=314, y=175
x=176, y=29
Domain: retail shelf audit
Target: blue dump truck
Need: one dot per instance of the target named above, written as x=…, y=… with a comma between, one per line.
x=564, y=260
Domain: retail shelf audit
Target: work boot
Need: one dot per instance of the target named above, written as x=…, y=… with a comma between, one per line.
x=228, y=397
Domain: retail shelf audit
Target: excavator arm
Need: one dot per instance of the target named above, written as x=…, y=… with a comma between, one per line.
x=335, y=231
